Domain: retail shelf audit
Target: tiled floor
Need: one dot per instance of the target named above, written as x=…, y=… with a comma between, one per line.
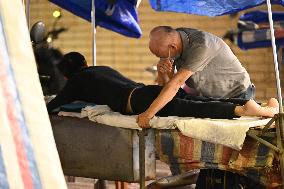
x=162, y=170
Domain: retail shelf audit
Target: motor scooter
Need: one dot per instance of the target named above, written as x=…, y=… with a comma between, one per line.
x=47, y=57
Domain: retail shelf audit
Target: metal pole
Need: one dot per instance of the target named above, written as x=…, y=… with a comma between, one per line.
x=93, y=17
x=274, y=56
x=279, y=122
x=142, y=158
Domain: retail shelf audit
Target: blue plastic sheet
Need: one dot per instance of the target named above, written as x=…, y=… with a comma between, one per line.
x=120, y=17
x=259, y=17
x=207, y=7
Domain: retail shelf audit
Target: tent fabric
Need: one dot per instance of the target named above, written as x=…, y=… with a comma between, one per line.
x=207, y=7
x=28, y=155
x=120, y=17
x=260, y=37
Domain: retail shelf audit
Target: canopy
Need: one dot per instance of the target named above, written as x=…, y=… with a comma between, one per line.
x=207, y=7
x=116, y=15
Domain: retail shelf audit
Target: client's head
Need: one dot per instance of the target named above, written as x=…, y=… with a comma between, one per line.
x=71, y=64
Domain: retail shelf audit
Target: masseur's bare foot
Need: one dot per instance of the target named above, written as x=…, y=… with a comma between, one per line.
x=273, y=103
x=251, y=108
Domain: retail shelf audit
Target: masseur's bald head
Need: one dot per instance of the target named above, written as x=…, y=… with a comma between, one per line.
x=161, y=39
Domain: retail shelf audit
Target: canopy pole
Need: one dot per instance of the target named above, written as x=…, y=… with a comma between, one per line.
x=274, y=56
x=280, y=121
x=93, y=17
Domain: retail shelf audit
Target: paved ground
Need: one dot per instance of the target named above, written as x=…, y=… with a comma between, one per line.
x=85, y=183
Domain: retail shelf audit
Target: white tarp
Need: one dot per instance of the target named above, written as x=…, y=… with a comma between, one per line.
x=28, y=155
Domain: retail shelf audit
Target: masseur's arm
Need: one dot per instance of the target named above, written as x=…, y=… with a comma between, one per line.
x=165, y=96
x=65, y=96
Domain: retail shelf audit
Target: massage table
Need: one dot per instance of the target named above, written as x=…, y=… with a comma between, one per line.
x=95, y=150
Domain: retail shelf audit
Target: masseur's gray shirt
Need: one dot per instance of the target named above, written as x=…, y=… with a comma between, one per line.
x=218, y=72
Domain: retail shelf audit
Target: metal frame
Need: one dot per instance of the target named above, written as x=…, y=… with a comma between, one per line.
x=142, y=135
x=278, y=148
x=94, y=48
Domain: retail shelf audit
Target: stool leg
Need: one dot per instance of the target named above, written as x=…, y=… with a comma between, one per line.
x=100, y=184
x=121, y=185
x=142, y=157
x=280, y=144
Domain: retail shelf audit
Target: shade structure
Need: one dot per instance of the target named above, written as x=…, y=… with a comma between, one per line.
x=207, y=7
x=117, y=15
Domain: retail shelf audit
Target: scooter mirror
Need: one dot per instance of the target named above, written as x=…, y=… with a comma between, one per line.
x=37, y=32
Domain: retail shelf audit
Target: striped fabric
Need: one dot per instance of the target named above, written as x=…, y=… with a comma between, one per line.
x=3, y=174
x=183, y=154
x=28, y=156
x=260, y=35
x=16, y=119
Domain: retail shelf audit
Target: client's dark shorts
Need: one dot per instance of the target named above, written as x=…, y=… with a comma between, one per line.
x=143, y=97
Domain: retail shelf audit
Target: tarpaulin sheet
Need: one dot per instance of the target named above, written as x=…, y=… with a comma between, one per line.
x=207, y=7
x=260, y=38
x=121, y=16
x=28, y=155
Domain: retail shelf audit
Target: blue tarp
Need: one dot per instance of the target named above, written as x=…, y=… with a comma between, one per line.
x=207, y=7
x=259, y=17
x=221, y=7
x=120, y=17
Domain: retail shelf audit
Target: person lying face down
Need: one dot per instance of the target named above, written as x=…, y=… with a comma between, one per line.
x=105, y=86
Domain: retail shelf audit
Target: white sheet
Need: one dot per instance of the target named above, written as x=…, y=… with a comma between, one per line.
x=230, y=133
x=28, y=154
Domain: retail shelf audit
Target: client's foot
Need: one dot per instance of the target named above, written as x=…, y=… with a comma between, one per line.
x=251, y=108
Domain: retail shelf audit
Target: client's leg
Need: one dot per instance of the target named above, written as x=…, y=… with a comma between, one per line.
x=220, y=110
x=143, y=97
x=237, y=101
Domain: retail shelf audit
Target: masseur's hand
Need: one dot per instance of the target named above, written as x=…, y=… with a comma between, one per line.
x=164, y=66
x=143, y=120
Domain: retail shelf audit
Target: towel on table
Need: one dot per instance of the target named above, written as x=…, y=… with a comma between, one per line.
x=230, y=133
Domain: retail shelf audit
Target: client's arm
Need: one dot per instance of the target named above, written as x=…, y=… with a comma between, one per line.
x=65, y=96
